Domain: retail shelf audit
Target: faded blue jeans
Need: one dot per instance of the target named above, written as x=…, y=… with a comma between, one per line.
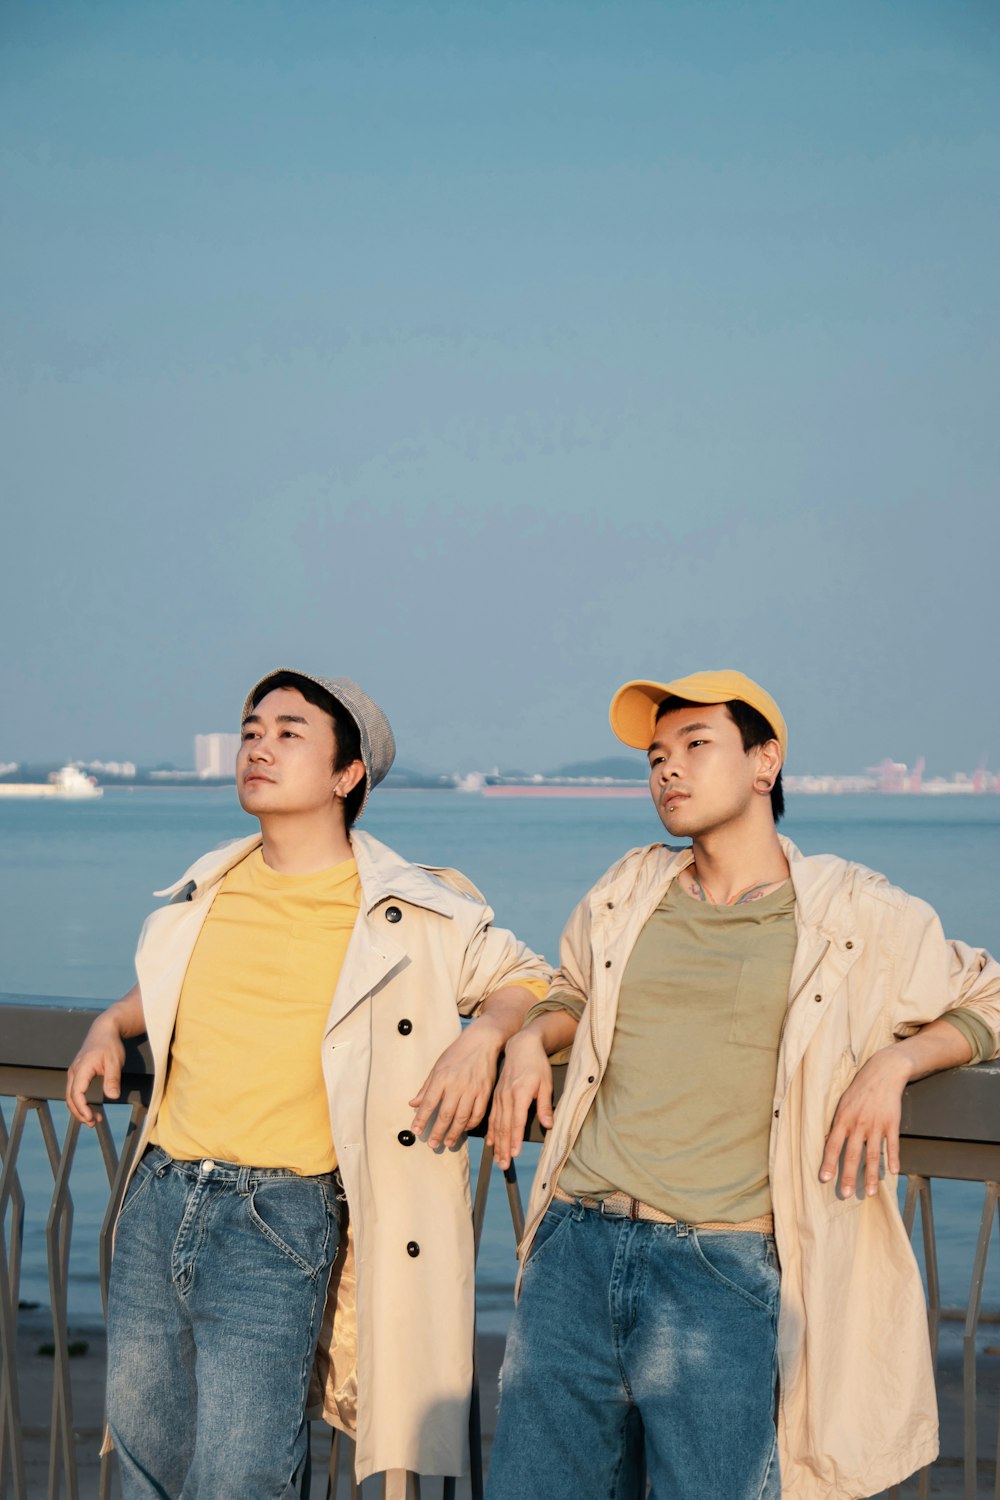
x=218, y=1284
x=636, y=1342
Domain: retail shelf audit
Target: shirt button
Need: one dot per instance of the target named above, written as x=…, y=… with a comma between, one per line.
x=404, y=1027
x=393, y=914
x=413, y=1249
x=817, y=998
x=848, y=945
x=607, y=963
x=406, y=1138
x=777, y=1112
x=591, y=1078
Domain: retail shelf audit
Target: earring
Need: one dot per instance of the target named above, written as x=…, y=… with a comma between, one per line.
x=764, y=786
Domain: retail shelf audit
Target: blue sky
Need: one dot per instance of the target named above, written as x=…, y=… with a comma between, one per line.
x=494, y=355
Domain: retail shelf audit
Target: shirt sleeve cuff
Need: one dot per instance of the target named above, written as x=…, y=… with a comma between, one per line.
x=974, y=1029
x=556, y=1000
x=537, y=987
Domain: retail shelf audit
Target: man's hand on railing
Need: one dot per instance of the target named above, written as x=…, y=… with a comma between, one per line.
x=869, y=1110
x=102, y=1055
x=526, y=1077
x=457, y=1090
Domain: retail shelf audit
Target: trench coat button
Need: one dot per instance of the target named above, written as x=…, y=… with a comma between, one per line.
x=406, y=1138
x=591, y=1078
x=413, y=1249
x=817, y=998
x=607, y=963
x=611, y=906
x=404, y=1027
x=848, y=945
x=393, y=914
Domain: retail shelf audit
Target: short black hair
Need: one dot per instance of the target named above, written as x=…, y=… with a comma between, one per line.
x=754, y=730
x=346, y=737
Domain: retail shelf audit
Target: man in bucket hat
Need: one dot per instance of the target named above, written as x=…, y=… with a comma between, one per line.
x=302, y=993
x=713, y=1223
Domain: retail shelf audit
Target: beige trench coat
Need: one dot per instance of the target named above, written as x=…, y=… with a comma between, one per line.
x=395, y=1362
x=857, y=1409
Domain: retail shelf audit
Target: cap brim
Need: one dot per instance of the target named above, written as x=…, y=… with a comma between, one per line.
x=633, y=712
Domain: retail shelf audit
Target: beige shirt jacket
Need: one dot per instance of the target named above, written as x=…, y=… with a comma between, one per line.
x=394, y=1368
x=857, y=1407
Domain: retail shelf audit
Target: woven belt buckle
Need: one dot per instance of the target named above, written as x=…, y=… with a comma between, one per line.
x=631, y=1212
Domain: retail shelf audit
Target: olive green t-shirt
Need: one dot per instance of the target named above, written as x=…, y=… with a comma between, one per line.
x=683, y=1114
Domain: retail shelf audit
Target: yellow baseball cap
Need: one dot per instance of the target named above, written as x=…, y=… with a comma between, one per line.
x=634, y=706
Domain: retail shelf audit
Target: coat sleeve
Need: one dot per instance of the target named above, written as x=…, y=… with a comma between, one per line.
x=495, y=957
x=935, y=975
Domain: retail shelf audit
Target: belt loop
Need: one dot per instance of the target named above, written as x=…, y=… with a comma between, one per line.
x=243, y=1181
x=633, y=1209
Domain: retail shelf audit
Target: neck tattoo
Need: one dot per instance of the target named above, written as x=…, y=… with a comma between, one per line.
x=751, y=893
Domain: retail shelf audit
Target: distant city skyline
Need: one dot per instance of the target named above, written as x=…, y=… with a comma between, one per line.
x=214, y=755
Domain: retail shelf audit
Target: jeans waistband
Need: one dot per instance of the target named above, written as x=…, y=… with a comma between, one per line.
x=621, y=1206
x=227, y=1171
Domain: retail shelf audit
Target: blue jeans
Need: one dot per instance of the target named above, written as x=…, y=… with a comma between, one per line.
x=637, y=1343
x=218, y=1284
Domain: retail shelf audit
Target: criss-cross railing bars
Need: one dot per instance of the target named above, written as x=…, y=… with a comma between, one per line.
x=951, y=1129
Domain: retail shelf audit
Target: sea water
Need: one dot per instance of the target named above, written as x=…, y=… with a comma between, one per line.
x=76, y=881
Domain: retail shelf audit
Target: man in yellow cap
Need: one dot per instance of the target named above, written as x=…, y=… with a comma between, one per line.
x=716, y=1286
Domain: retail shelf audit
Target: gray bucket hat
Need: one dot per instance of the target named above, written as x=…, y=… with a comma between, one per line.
x=378, y=747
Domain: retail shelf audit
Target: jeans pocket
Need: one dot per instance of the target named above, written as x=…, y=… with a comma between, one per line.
x=299, y=1218
x=143, y=1175
x=745, y=1263
x=555, y=1216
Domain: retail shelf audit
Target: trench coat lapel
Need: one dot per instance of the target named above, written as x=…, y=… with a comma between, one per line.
x=375, y=952
x=371, y=958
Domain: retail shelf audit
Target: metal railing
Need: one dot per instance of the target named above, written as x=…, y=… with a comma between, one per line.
x=951, y=1129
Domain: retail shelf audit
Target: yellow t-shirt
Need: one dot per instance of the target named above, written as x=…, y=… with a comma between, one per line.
x=246, y=1081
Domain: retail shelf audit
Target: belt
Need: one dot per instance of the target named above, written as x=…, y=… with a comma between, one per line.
x=621, y=1206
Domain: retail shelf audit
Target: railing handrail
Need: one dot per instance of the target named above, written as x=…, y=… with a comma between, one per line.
x=962, y=1104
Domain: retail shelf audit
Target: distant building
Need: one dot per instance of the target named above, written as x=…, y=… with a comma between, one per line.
x=122, y=770
x=215, y=754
